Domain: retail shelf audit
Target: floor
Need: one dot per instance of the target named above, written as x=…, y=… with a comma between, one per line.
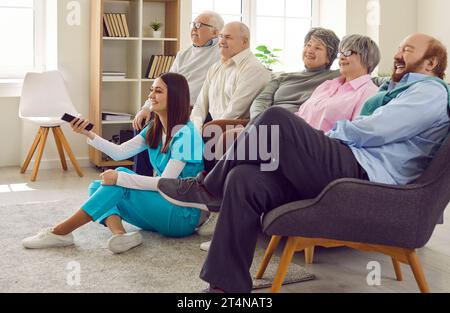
x=336, y=269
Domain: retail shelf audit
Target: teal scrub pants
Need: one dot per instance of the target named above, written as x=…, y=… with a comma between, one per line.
x=144, y=209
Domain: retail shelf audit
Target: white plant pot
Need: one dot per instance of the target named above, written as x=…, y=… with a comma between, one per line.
x=156, y=34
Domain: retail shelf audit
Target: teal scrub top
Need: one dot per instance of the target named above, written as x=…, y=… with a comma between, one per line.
x=186, y=146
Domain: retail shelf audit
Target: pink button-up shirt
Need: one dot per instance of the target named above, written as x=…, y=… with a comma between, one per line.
x=336, y=100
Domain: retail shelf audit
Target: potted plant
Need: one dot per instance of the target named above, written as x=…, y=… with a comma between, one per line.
x=267, y=57
x=156, y=26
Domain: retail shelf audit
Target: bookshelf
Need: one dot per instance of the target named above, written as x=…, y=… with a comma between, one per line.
x=127, y=56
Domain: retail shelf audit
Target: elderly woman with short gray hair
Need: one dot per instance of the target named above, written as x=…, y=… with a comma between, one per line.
x=291, y=90
x=342, y=98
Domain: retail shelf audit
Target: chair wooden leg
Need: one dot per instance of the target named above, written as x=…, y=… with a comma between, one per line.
x=398, y=270
x=31, y=151
x=62, y=157
x=66, y=146
x=37, y=162
x=417, y=271
x=273, y=244
x=309, y=255
x=285, y=260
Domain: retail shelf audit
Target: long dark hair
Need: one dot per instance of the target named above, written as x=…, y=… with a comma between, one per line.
x=178, y=109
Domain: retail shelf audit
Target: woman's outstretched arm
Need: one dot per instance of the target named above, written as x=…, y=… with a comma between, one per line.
x=116, y=152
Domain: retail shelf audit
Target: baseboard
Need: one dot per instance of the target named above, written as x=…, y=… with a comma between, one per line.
x=56, y=164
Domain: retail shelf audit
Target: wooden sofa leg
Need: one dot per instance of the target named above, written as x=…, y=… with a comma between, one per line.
x=273, y=244
x=309, y=255
x=398, y=270
x=417, y=271
x=285, y=260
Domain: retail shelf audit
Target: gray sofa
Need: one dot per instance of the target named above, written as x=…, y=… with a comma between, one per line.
x=394, y=220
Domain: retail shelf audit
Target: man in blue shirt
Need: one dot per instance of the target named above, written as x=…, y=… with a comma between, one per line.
x=399, y=132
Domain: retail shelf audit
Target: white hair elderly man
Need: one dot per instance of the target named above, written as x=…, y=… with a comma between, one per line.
x=231, y=84
x=194, y=62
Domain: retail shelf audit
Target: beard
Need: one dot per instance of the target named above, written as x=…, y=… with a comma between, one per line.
x=411, y=68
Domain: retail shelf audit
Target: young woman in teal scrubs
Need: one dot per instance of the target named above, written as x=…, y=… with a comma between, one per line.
x=176, y=151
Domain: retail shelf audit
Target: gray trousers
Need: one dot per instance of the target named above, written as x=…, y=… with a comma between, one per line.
x=308, y=162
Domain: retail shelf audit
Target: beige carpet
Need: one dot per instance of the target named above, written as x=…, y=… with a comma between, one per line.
x=159, y=265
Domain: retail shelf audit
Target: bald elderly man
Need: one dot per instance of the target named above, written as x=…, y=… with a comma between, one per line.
x=233, y=83
x=399, y=132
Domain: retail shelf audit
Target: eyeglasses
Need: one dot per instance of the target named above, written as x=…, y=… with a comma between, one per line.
x=346, y=53
x=198, y=25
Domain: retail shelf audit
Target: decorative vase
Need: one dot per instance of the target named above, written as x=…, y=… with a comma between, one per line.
x=156, y=34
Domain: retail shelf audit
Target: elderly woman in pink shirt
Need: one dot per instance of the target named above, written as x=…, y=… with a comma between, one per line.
x=342, y=98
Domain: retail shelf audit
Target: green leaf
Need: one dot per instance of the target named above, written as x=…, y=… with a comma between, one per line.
x=261, y=48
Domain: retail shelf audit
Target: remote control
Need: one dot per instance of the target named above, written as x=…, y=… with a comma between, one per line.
x=69, y=118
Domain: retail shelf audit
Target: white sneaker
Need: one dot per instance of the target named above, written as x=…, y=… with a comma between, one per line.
x=207, y=228
x=122, y=243
x=204, y=246
x=47, y=239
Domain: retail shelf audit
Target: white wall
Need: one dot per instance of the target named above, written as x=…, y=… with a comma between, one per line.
x=185, y=18
x=393, y=21
x=333, y=14
x=388, y=28
x=434, y=19
x=356, y=22
x=398, y=20
x=73, y=62
x=11, y=132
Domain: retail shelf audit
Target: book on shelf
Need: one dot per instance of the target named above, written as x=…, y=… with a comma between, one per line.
x=159, y=64
x=170, y=60
x=106, y=27
x=119, y=21
x=115, y=25
x=125, y=25
x=111, y=25
x=153, y=66
x=147, y=72
x=116, y=116
x=114, y=75
x=164, y=64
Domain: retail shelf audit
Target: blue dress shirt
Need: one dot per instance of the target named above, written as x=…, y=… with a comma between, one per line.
x=397, y=143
